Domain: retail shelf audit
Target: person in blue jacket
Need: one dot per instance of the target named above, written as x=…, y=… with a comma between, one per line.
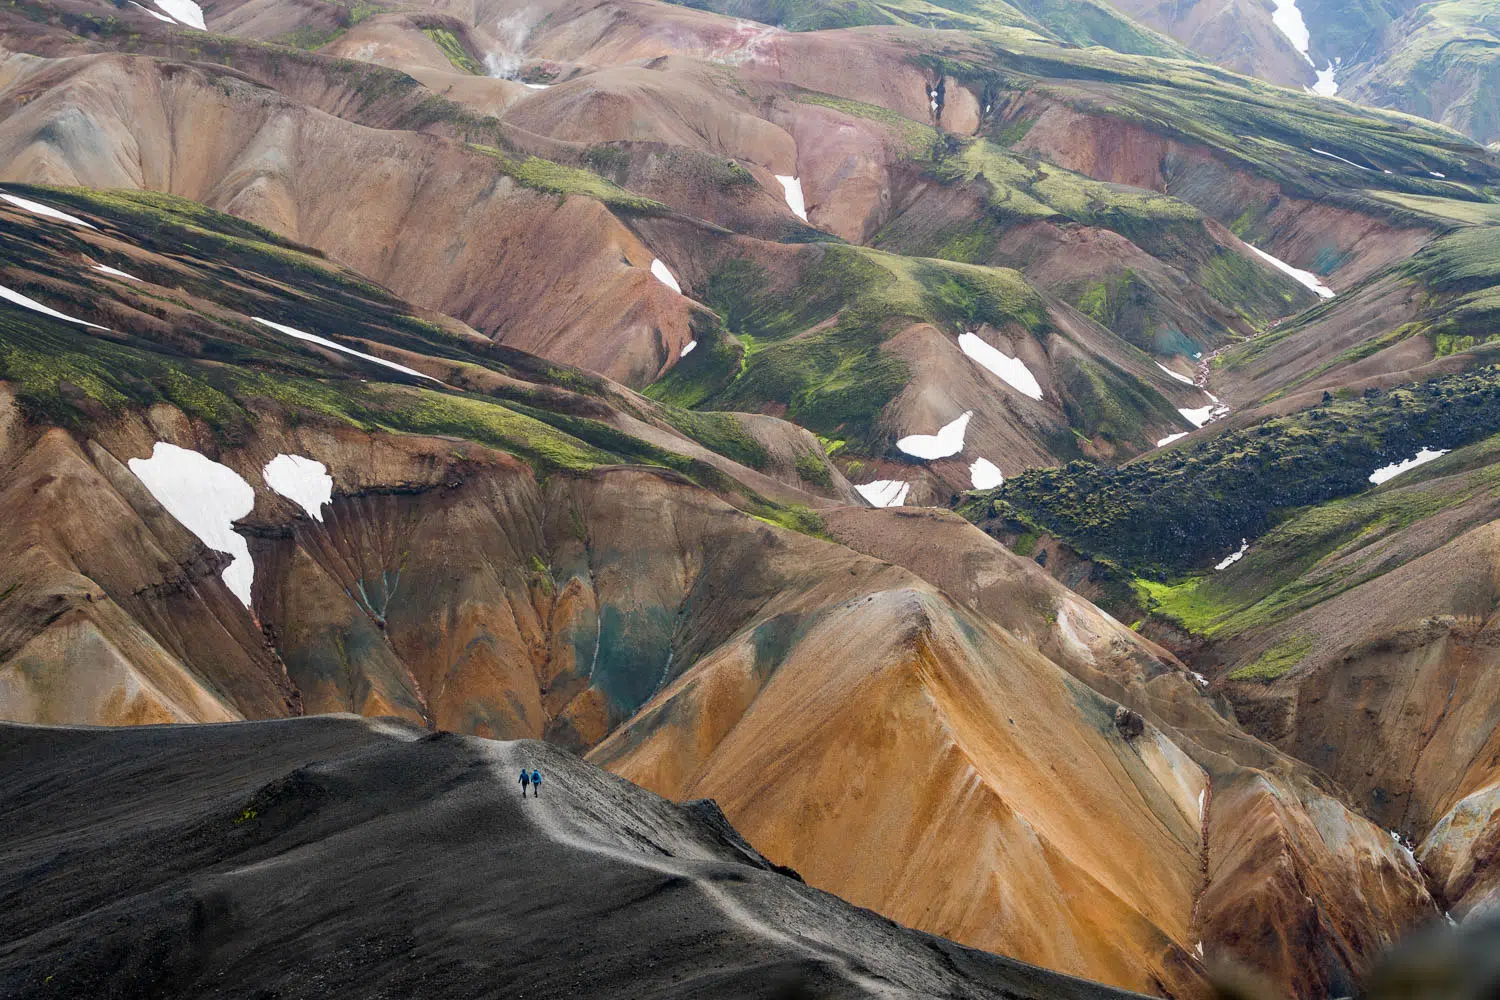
x=525, y=780
x=536, y=783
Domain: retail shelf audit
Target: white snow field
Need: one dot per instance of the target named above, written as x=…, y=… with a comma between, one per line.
x=45, y=211
x=688, y=348
x=1012, y=371
x=1328, y=84
x=1181, y=378
x=207, y=498
x=1234, y=557
x=949, y=440
x=985, y=474
x=1395, y=469
x=30, y=303
x=1335, y=156
x=148, y=10
x=325, y=342
x=114, y=272
x=1172, y=437
x=304, y=481
x=1199, y=416
x=885, y=492
x=1307, y=278
x=185, y=11
x=1289, y=20
x=792, y=187
x=665, y=276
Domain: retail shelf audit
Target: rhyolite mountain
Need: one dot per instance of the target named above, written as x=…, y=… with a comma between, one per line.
x=540, y=372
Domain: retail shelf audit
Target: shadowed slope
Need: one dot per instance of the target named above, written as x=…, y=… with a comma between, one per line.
x=400, y=863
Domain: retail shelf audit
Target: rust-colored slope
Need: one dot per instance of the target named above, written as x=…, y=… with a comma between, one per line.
x=1297, y=885
x=112, y=613
x=938, y=771
x=1396, y=693
x=456, y=589
x=438, y=223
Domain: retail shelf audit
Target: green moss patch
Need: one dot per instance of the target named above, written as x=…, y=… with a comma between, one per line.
x=555, y=178
x=1278, y=661
x=1168, y=513
x=454, y=49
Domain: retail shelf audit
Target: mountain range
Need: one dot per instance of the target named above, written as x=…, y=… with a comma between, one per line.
x=1019, y=475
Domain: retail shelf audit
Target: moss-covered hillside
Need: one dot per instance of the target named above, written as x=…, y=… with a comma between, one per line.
x=181, y=328
x=1183, y=509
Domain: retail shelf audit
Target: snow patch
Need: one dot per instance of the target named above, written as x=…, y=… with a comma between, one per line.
x=1411, y=859
x=536, y=86
x=1202, y=795
x=45, y=211
x=885, y=492
x=1172, y=437
x=1306, y=278
x=1234, y=557
x=1202, y=681
x=1181, y=378
x=949, y=440
x=114, y=271
x=148, y=10
x=1289, y=19
x=185, y=11
x=303, y=481
x=325, y=342
x=1327, y=85
x=1441, y=177
x=985, y=474
x=1335, y=156
x=792, y=187
x=1012, y=371
x=206, y=498
x=30, y=303
x=1197, y=417
x=665, y=276
x=1203, y=414
x=1396, y=468
x=688, y=348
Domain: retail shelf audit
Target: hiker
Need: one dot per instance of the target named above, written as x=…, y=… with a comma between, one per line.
x=525, y=780
x=536, y=783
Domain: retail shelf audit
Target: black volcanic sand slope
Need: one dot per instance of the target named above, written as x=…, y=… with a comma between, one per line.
x=343, y=857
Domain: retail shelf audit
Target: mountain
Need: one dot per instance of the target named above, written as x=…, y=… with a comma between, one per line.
x=1435, y=60
x=542, y=373
x=1438, y=61
x=1007, y=253
x=1349, y=627
x=474, y=542
x=273, y=834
